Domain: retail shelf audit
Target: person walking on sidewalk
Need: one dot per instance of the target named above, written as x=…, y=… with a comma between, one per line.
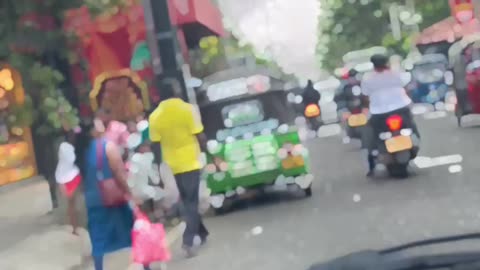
x=109, y=226
x=176, y=126
x=67, y=175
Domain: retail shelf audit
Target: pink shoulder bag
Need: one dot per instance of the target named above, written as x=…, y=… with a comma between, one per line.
x=110, y=190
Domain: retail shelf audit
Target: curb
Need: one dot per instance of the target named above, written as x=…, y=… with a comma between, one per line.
x=21, y=184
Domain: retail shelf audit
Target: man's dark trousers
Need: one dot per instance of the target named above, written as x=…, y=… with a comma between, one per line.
x=188, y=186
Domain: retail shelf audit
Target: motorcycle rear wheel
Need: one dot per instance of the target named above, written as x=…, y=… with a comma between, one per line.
x=398, y=170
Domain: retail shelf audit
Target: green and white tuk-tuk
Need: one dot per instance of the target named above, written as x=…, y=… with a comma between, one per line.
x=253, y=142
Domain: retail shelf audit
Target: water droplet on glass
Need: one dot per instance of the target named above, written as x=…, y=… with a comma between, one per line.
x=240, y=190
x=257, y=230
x=455, y=169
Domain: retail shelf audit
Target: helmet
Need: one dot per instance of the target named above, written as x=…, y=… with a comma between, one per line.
x=379, y=61
x=352, y=73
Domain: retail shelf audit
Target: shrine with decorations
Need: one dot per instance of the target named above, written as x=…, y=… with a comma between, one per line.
x=115, y=48
x=17, y=158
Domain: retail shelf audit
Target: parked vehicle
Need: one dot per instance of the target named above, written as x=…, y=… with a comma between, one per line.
x=465, y=59
x=430, y=82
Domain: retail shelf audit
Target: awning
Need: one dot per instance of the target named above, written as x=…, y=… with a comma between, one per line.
x=202, y=12
x=108, y=42
x=184, y=13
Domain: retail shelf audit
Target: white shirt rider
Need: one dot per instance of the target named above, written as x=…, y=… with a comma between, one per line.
x=386, y=92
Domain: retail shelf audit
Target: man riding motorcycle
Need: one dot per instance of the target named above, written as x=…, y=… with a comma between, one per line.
x=350, y=82
x=387, y=96
x=311, y=96
x=350, y=101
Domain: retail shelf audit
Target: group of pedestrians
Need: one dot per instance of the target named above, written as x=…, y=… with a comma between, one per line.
x=100, y=169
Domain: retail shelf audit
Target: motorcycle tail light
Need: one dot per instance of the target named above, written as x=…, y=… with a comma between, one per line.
x=312, y=110
x=394, y=122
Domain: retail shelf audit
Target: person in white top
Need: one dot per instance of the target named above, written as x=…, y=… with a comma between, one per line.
x=68, y=175
x=387, y=95
x=385, y=88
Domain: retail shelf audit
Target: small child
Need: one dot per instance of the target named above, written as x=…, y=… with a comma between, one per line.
x=67, y=175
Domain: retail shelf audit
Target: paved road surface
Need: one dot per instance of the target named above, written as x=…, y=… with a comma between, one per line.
x=348, y=212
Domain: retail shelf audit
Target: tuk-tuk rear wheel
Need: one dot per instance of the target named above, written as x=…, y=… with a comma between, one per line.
x=225, y=209
x=459, y=121
x=308, y=192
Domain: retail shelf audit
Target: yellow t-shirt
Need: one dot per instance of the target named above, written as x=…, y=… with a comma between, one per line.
x=175, y=124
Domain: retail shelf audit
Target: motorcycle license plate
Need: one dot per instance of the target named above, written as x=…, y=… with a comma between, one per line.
x=398, y=144
x=357, y=120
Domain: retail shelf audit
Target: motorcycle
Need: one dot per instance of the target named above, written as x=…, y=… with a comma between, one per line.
x=356, y=115
x=397, y=144
x=313, y=116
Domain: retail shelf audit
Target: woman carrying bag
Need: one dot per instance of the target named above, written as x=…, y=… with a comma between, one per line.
x=110, y=218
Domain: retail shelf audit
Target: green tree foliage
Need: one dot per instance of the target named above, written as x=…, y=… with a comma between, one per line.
x=347, y=25
x=31, y=34
x=214, y=54
x=54, y=111
x=433, y=11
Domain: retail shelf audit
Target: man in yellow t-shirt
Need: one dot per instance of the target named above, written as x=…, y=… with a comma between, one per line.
x=176, y=125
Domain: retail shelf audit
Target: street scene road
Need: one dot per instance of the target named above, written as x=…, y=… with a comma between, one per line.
x=349, y=212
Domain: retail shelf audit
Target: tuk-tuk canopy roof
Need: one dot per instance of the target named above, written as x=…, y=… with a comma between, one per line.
x=448, y=30
x=232, y=83
x=235, y=73
x=353, y=58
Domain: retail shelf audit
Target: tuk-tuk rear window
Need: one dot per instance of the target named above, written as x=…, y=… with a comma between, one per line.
x=429, y=72
x=244, y=113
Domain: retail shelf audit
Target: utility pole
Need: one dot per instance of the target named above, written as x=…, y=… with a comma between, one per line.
x=167, y=59
x=395, y=23
x=410, y=4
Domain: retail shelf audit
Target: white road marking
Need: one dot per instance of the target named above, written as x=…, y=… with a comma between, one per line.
x=329, y=131
x=435, y=115
x=257, y=230
x=455, y=169
x=428, y=162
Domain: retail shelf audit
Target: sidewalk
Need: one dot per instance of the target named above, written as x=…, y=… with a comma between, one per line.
x=33, y=240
